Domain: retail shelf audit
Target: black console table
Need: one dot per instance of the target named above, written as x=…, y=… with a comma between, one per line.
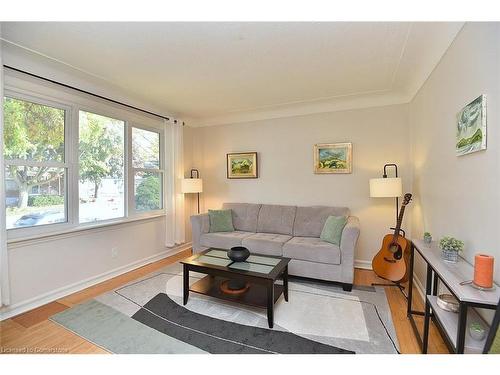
x=453, y=326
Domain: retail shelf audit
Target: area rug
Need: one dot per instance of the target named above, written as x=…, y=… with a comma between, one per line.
x=147, y=316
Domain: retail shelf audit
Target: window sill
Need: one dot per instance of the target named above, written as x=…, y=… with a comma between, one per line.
x=74, y=231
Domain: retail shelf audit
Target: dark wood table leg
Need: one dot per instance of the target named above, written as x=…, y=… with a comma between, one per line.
x=270, y=304
x=427, y=315
x=462, y=323
x=186, y=283
x=285, y=283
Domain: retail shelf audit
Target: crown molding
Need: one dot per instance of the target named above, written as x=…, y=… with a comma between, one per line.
x=378, y=99
x=418, y=66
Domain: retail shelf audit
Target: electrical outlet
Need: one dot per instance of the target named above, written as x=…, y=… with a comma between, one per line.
x=114, y=252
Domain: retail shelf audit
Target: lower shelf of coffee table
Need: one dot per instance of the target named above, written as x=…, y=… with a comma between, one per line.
x=255, y=296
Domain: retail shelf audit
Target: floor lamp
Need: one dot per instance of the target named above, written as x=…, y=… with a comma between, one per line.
x=388, y=187
x=194, y=184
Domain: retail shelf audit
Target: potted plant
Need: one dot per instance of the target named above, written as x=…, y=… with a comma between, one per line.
x=427, y=238
x=450, y=247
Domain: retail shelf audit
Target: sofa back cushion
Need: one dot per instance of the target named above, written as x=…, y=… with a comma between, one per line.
x=245, y=215
x=276, y=219
x=309, y=221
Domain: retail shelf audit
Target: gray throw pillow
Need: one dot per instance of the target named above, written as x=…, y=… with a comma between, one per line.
x=220, y=221
x=332, y=230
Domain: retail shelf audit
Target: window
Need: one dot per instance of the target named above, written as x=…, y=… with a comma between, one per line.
x=73, y=162
x=146, y=168
x=34, y=151
x=101, y=167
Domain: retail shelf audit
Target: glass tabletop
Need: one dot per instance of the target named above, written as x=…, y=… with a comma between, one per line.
x=254, y=263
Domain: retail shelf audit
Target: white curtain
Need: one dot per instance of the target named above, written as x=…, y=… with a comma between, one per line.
x=174, y=172
x=4, y=262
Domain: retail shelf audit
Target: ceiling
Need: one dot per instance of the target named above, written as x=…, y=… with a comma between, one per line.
x=213, y=73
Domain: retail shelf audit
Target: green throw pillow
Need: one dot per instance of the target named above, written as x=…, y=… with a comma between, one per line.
x=332, y=231
x=220, y=221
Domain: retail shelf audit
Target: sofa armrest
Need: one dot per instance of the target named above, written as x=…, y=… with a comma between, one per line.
x=348, y=241
x=199, y=224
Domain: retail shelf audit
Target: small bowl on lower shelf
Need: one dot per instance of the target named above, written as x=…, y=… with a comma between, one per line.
x=477, y=332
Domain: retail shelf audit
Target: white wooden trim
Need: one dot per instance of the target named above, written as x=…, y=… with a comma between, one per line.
x=417, y=284
x=76, y=231
x=363, y=264
x=21, y=307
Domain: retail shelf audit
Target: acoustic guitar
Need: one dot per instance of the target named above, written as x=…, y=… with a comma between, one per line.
x=391, y=262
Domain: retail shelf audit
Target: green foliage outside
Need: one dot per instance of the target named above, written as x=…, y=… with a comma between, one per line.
x=101, y=149
x=45, y=200
x=148, y=193
x=32, y=132
x=35, y=132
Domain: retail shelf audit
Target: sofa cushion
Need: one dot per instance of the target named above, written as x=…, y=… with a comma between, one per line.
x=223, y=240
x=312, y=249
x=332, y=231
x=244, y=215
x=266, y=243
x=309, y=221
x=220, y=221
x=276, y=219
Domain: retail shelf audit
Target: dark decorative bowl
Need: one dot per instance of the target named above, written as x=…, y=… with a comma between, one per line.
x=238, y=254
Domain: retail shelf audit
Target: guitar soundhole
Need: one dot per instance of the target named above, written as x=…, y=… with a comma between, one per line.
x=396, y=251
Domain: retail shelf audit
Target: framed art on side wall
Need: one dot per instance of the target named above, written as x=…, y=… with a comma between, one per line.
x=242, y=165
x=333, y=158
x=471, y=127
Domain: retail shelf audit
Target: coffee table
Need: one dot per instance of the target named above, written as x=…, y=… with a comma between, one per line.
x=260, y=272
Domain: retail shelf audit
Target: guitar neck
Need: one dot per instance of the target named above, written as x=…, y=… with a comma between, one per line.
x=400, y=220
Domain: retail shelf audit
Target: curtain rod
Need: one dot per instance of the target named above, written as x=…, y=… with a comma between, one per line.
x=88, y=92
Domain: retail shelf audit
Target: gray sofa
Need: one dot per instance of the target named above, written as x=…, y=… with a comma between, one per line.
x=287, y=231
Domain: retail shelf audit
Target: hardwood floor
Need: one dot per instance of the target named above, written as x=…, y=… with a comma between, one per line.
x=32, y=332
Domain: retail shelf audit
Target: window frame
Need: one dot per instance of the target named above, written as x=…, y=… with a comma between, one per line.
x=125, y=167
x=18, y=86
x=65, y=165
x=161, y=171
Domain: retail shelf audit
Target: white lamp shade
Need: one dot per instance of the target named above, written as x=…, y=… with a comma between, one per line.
x=192, y=185
x=386, y=187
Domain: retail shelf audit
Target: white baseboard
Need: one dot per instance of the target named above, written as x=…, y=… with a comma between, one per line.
x=32, y=303
x=418, y=286
x=363, y=264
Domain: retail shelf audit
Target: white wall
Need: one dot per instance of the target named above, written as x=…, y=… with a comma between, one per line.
x=44, y=269
x=459, y=196
x=47, y=269
x=285, y=151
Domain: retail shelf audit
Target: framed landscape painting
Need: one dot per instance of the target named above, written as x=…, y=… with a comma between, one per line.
x=471, y=127
x=242, y=165
x=333, y=158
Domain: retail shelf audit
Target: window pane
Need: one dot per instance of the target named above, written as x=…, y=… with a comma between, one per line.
x=101, y=163
x=32, y=131
x=147, y=190
x=34, y=196
x=145, y=149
